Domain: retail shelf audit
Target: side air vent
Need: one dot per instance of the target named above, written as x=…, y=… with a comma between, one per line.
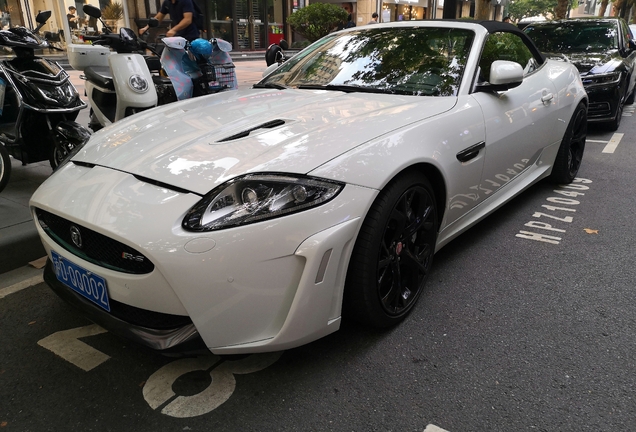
x=83, y=164
x=245, y=133
x=161, y=184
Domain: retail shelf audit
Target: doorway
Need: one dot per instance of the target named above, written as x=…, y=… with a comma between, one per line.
x=250, y=24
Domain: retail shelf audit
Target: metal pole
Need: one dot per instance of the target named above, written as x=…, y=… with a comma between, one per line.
x=68, y=37
x=126, y=18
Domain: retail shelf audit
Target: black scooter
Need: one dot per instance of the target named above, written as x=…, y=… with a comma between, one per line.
x=38, y=101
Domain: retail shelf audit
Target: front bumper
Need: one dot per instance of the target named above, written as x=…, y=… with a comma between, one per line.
x=604, y=102
x=261, y=287
x=183, y=339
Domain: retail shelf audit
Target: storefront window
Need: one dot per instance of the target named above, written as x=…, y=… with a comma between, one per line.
x=403, y=12
x=5, y=16
x=220, y=19
x=275, y=21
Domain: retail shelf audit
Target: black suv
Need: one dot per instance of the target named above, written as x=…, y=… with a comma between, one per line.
x=603, y=51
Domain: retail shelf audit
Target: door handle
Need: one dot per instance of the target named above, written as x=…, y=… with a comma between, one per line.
x=547, y=98
x=471, y=152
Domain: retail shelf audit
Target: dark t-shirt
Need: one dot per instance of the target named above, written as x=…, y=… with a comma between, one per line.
x=176, y=11
x=71, y=24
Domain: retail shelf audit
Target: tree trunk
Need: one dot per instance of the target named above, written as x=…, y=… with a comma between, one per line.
x=617, y=6
x=603, y=8
x=482, y=10
x=561, y=10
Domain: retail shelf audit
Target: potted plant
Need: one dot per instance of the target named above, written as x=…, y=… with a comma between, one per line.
x=112, y=13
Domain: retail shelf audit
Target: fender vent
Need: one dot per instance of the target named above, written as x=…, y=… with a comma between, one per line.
x=267, y=125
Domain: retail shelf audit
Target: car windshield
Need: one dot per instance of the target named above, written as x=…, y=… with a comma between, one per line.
x=426, y=61
x=578, y=36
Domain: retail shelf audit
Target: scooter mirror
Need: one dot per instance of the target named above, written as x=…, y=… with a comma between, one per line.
x=153, y=22
x=92, y=11
x=43, y=17
x=127, y=34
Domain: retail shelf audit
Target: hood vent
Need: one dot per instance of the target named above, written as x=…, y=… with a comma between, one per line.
x=245, y=133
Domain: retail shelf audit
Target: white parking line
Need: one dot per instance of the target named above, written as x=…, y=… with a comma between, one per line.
x=67, y=345
x=596, y=141
x=613, y=143
x=433, y=428
x=21, y=285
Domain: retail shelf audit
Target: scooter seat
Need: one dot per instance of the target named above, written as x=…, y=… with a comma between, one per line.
x=160, y=80
x=153, y=62
x=101, y=76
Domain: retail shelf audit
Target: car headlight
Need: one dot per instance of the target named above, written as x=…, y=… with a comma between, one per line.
x=256, y=197
x=601, y=79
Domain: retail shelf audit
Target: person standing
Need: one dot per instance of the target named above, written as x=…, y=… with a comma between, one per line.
x=72, y=19
x=182, y=13
x=374, y=18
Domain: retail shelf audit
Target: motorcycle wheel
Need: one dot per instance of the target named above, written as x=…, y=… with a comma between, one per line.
x=93, y=123
x=5, y=167
x=59, y=152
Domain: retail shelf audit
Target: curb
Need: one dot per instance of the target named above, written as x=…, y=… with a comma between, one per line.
x=19, y=244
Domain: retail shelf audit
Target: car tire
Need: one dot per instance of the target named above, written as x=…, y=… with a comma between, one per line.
x=5, y=167
x=630, y=98
x=614, y=124
x=570, y=154
x=393, y=253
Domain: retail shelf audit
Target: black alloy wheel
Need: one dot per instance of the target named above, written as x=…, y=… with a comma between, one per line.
x=393, y=254
x=570, y=154
x=5, y=167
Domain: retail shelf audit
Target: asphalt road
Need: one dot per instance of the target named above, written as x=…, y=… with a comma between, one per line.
x=528, y=322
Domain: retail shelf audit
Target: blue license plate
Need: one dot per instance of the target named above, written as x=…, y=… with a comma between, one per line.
x=80, y=280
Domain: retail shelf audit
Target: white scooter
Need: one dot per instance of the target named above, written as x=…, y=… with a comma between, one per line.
x=122, y=88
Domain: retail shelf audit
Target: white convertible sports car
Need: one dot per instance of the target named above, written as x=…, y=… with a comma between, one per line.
x=253, y=220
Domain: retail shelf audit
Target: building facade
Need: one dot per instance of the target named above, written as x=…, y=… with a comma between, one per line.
x=247, y=24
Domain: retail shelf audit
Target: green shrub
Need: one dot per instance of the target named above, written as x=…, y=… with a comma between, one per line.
x=297, y=44
x=317, y=20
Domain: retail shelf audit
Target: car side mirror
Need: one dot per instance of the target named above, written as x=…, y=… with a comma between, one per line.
x=504, y=75
x=271, y=68
x=631, y=44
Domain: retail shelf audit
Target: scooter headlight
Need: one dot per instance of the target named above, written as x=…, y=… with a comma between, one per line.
x=138, y=84
x=62, y=95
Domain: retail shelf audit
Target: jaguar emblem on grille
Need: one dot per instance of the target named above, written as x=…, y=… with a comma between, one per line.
x=76, y=236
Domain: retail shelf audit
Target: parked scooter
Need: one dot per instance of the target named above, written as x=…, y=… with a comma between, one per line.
x=275, y=53
x=199, y=67
x=123, y=88
x=38, y=103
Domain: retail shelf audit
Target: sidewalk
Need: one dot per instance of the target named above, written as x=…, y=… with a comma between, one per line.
x=19, y=242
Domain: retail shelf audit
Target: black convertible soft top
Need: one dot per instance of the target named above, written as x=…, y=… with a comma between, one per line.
x=497, y=26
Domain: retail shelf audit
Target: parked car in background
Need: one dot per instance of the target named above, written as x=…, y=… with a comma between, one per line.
x=254, y=220
x=603, y=51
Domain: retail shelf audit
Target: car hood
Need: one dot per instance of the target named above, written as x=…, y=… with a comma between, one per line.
x=199, y=143
x=591, y=62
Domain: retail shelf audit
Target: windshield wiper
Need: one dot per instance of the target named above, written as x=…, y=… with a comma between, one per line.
x=345, y=88
x=270, y=86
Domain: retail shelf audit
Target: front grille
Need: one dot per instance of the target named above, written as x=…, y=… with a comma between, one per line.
x=95, y=247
